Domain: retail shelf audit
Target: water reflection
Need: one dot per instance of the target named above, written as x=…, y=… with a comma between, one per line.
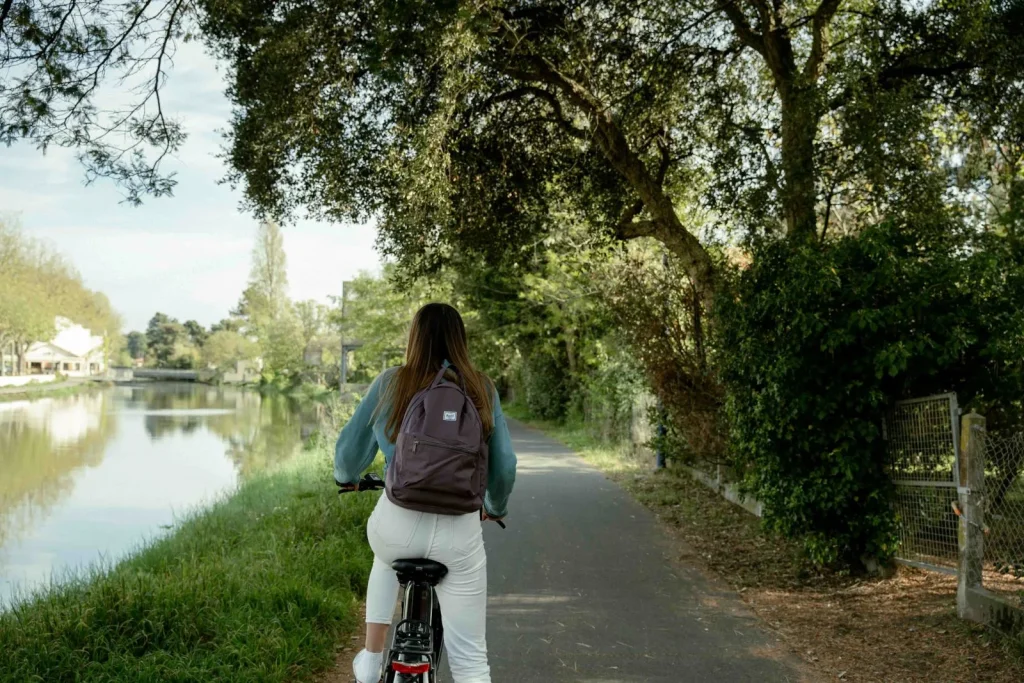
x=91, y=476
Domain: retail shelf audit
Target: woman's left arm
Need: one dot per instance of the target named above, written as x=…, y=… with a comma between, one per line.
x=501, y=469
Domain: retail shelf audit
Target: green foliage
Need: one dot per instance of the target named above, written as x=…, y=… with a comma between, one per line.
x=816, y=344
x=378, y=311
x=36, y=286
x=169, y=344
x=136, y=345
x=544, y=385
x=224, y=348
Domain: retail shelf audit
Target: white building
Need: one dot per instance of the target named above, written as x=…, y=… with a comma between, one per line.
x=74, y=351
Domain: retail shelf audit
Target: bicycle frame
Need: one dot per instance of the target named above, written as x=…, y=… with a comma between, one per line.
x=418, y=642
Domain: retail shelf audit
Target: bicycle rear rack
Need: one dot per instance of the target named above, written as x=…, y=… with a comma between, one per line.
x=414, y=637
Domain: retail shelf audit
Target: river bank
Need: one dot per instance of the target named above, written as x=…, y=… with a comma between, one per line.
x=67, y=387
x=261, y=586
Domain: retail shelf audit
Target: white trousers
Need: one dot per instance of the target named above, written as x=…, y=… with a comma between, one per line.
x=455, y=541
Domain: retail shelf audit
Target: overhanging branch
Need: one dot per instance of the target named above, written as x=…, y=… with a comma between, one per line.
x=819, y=37
x=900, y=73
x=635, y=229
x=746, y=34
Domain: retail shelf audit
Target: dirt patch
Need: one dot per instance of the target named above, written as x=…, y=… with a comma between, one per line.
x=902, y=628
x=345, y=652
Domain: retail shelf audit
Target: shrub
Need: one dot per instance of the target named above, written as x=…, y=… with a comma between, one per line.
x=816, y=343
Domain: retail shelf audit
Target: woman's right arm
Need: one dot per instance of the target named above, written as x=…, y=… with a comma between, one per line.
x=501, y=469
x=357, y=446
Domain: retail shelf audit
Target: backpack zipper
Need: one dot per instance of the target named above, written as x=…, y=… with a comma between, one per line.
x=435, y=442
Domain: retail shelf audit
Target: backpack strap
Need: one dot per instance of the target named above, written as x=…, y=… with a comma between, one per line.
x=440, y=376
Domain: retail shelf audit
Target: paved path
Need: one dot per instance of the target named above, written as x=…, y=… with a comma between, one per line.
x=583, y=588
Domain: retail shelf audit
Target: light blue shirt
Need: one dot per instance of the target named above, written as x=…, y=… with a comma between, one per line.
x=363, y=435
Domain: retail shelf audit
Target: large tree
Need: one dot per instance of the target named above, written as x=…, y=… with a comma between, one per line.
x=455, y=122
x=459, y=123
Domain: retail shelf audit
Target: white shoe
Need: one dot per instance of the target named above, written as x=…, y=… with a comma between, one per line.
x=366, y=666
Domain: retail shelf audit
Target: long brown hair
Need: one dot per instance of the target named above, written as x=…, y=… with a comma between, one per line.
x=437, y=335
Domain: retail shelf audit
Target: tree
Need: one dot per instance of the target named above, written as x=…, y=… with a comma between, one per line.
x=233, y=324
x=36, y=286
x=136, y=344
x=312, y=317
x=460, y=126
x=224, y=348
x=266, y=298
x=57, y=56
x=264, y=305
x=197, y=334
x=169, y=343
x=378, y=311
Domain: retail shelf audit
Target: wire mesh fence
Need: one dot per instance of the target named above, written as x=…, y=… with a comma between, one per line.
x=921, y=438
x=1004, y=508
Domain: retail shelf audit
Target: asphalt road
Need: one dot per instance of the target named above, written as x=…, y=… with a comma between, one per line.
x=584, y=586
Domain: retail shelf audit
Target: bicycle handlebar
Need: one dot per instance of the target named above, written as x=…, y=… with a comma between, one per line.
x=373, y=482
x=370, y=482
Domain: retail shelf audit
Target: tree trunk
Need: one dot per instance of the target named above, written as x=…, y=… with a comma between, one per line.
x=20, y=349
x=570, y=353
x=799, y=193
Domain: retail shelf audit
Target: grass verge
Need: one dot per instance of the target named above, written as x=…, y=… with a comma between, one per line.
x=901, y=628
x=260, y=587
x=50, y=390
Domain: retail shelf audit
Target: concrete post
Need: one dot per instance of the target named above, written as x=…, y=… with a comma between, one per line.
x=971, y=534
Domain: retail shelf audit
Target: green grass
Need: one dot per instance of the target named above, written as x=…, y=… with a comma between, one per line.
x=260, y=587
x=615, y=457
x=46, y=389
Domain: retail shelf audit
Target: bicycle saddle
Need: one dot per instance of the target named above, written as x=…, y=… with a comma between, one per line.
x=427, y=571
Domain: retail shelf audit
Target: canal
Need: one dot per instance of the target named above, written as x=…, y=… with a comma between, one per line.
x=86, y=479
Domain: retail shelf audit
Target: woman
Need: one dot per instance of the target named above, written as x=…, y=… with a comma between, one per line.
x=437, y=336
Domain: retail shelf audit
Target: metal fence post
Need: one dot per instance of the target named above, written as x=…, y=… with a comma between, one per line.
x=970, y=535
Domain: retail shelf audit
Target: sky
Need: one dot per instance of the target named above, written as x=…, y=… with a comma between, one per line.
x=187, y=255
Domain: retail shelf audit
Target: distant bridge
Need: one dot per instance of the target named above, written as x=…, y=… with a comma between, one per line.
x=158, y=374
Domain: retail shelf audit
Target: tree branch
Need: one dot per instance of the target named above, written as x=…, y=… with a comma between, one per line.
x=4, y=11
x=819, y=42
x=607, y=135
x=549, y=97
x=746, y=34
x=901, y=72
x=633, y=229
x=765, y=13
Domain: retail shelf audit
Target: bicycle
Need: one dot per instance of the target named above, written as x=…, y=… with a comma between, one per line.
x=418, y=642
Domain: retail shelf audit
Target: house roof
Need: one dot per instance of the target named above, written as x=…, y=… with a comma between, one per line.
x=37, y=349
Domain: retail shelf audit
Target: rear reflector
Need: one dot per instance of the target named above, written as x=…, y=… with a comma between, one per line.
x=402, y=668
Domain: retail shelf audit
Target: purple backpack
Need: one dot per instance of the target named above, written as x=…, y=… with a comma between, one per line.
x=440, y=462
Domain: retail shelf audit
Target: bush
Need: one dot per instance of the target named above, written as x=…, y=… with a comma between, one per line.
x=816, y=343
x=544, y=384
x=609, y=388
x=661, y=318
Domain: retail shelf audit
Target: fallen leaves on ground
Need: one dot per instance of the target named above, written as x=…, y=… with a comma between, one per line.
x=852, y=628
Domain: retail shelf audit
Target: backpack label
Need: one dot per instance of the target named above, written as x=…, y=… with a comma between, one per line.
x=450, y=416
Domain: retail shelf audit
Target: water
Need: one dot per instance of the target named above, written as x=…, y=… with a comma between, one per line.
x=87, y=478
